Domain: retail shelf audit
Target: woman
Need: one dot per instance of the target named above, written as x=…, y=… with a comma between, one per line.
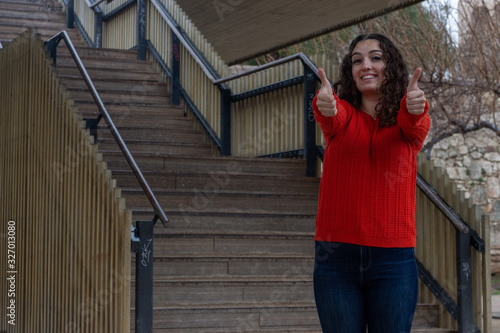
x=365, y=272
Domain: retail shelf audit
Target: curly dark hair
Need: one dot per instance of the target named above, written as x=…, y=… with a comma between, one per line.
x=392, y=89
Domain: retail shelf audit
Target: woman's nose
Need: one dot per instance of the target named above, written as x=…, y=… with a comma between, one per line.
x=367, y=65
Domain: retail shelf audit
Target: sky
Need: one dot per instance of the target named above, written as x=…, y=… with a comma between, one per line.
x=452, y=22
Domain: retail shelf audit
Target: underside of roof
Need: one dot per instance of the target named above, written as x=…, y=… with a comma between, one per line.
x=242, y=29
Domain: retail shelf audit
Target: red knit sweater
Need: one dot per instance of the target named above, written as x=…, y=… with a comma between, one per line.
x=367, y=191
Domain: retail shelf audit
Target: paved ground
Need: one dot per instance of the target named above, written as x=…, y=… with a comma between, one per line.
x=495, y=309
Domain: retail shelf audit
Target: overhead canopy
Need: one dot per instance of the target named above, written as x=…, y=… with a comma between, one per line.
x=243, y=29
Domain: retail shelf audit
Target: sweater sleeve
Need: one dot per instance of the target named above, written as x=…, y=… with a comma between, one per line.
x=330, y=125
x=415, y=127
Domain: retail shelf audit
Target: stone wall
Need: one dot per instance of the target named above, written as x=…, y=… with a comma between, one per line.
x=473, y=161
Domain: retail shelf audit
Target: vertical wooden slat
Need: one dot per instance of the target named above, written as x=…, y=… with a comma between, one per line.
x=486, y=275
x=447, y=231
x=46, y=159
x=3, y=202
x=439, y=230
x=423, y=251
x=472, y=217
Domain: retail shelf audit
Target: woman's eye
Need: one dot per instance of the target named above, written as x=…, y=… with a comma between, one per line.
x=377, y=58
x=356, y=61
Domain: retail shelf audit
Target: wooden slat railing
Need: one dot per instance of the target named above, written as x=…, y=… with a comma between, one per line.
x=52, y=45
x=72, y=231
x=436, y=246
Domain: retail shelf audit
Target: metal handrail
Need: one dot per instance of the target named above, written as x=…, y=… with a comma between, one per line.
x=442, y=205
x=114, y=131
x=92, y=5
x=297, y=56
x=210, y=73
x=175, y=28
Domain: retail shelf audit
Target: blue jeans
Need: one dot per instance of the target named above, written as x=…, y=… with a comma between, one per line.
x=361, y=286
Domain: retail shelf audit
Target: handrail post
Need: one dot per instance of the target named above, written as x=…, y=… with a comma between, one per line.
x=70, y=14
x=464, y=284
x=143, y=246
x=310, y=154
x=175, y=92
x=141, y=29
x=225, y=120
x=52, y=48
x=97, y=27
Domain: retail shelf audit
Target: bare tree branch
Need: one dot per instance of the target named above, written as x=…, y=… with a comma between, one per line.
x=461, y=73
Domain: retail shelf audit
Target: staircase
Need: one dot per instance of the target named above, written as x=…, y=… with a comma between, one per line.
x=238, y=253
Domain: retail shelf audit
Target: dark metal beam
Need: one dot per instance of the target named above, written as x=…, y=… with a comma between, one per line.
x=309, y=123
x=144, y=276
x=141, y=29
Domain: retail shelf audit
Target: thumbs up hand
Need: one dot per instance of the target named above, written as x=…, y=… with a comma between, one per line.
x=415, y=98
x=325, y=100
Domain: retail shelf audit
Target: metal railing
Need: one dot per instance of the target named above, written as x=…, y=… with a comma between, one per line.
x=465, y=236
x=309, y=79
x=142, y=233
x=465, y=239
x=52, y=44
x=72, y=241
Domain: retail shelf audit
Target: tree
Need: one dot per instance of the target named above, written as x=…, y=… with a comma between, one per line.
x=461, y=75
x=463, y=83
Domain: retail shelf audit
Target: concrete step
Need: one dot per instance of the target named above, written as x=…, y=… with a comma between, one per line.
x=230, y=292
x=146, y=75
x=9, y=36
x=279, y=318
x=208, y=182
x=100, y=53
x=29, y=6
x=42, y=15
x=160, y=135
x=116, y=86
x=109, y=65
x=10, y=33
x=16, y=30
x=172, y=163
x=244, y=318
x=139, y=127
x=240, y=245
x=145, y=129
x=182, y=221
x=135, y=147
x=32, y=22
x=137, y=97
x=225, y=201
x=230, y=265
x=136, y=113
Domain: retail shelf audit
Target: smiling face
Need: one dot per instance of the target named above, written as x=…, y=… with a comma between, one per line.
x=368, y=66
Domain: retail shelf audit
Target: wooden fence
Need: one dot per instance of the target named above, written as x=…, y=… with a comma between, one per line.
x=64, y=231
x=261, y=125
x=436, y=246
x=273, y=122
